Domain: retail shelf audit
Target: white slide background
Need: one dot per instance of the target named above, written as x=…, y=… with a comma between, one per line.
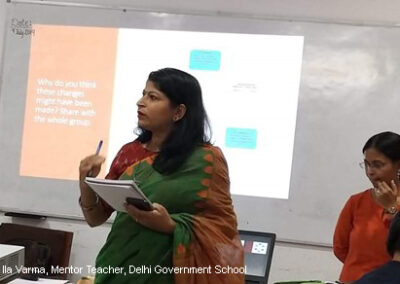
x=256, y=87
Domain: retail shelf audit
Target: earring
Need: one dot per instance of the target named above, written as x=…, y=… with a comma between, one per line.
x=175, y=118
x=398, y=175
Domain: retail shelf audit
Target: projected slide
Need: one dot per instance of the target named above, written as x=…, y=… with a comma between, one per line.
x=69, y=94
x=84, y=82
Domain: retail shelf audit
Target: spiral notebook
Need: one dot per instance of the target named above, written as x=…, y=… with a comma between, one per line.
x=117, y=192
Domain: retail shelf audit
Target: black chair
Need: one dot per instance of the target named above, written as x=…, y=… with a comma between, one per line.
x=43, y=248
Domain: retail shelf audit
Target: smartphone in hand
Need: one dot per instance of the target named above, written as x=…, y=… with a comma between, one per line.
x=139, y=203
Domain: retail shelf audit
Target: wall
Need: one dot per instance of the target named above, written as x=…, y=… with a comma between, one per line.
x=356, y=11
x=290, y=261
x=2, y=23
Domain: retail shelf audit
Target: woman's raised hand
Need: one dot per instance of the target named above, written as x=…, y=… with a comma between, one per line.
x=386, y=195
x=90, y=166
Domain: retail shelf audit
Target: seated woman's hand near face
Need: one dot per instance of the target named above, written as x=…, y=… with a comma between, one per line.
x=386, y=194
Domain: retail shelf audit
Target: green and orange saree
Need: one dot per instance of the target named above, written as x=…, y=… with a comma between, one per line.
x=204, y=248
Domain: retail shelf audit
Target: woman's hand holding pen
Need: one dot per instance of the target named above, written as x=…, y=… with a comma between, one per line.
x=157, y=219
x=89, y=201
x=385, y=195
x=90, y=166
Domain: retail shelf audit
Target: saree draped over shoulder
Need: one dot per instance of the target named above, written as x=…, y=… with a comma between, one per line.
x=204, y=247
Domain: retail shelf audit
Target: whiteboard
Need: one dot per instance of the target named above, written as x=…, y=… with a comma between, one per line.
x=348, y=92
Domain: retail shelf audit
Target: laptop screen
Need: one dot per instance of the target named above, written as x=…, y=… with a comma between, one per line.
x=258, y=249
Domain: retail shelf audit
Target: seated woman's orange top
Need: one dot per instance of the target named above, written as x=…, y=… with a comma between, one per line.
x=360, y=236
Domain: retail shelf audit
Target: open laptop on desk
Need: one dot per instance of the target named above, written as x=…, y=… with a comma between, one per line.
x=258, y=250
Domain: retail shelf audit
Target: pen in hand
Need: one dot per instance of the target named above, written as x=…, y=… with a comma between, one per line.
x=99, y=147
x=89, y=174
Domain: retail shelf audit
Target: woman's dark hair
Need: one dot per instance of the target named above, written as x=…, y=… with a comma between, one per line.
x=393, y=240
x=187, y=133
x=388, y=143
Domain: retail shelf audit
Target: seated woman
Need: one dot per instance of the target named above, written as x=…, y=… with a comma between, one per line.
x=362, y=227
x=193, y=228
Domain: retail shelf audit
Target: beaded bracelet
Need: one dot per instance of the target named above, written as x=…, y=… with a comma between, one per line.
x=91, y=207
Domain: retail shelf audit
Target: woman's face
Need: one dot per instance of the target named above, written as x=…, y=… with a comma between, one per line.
x=380, y=168
x=155, y=112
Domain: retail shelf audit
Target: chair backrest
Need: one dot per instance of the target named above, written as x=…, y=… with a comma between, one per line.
x=258, y=250
x=44, y=248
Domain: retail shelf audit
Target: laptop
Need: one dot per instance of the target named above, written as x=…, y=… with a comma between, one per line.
x=258, y=250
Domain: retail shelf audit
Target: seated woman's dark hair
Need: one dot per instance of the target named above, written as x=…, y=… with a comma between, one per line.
x=187, y=133
x=393, y=240
x=388, y=143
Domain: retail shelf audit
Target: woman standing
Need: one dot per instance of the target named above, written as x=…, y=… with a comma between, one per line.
x=362, y=228
x=193, y=226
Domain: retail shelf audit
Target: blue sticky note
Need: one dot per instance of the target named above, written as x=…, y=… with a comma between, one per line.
x=205, y=60
x=245, y=138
